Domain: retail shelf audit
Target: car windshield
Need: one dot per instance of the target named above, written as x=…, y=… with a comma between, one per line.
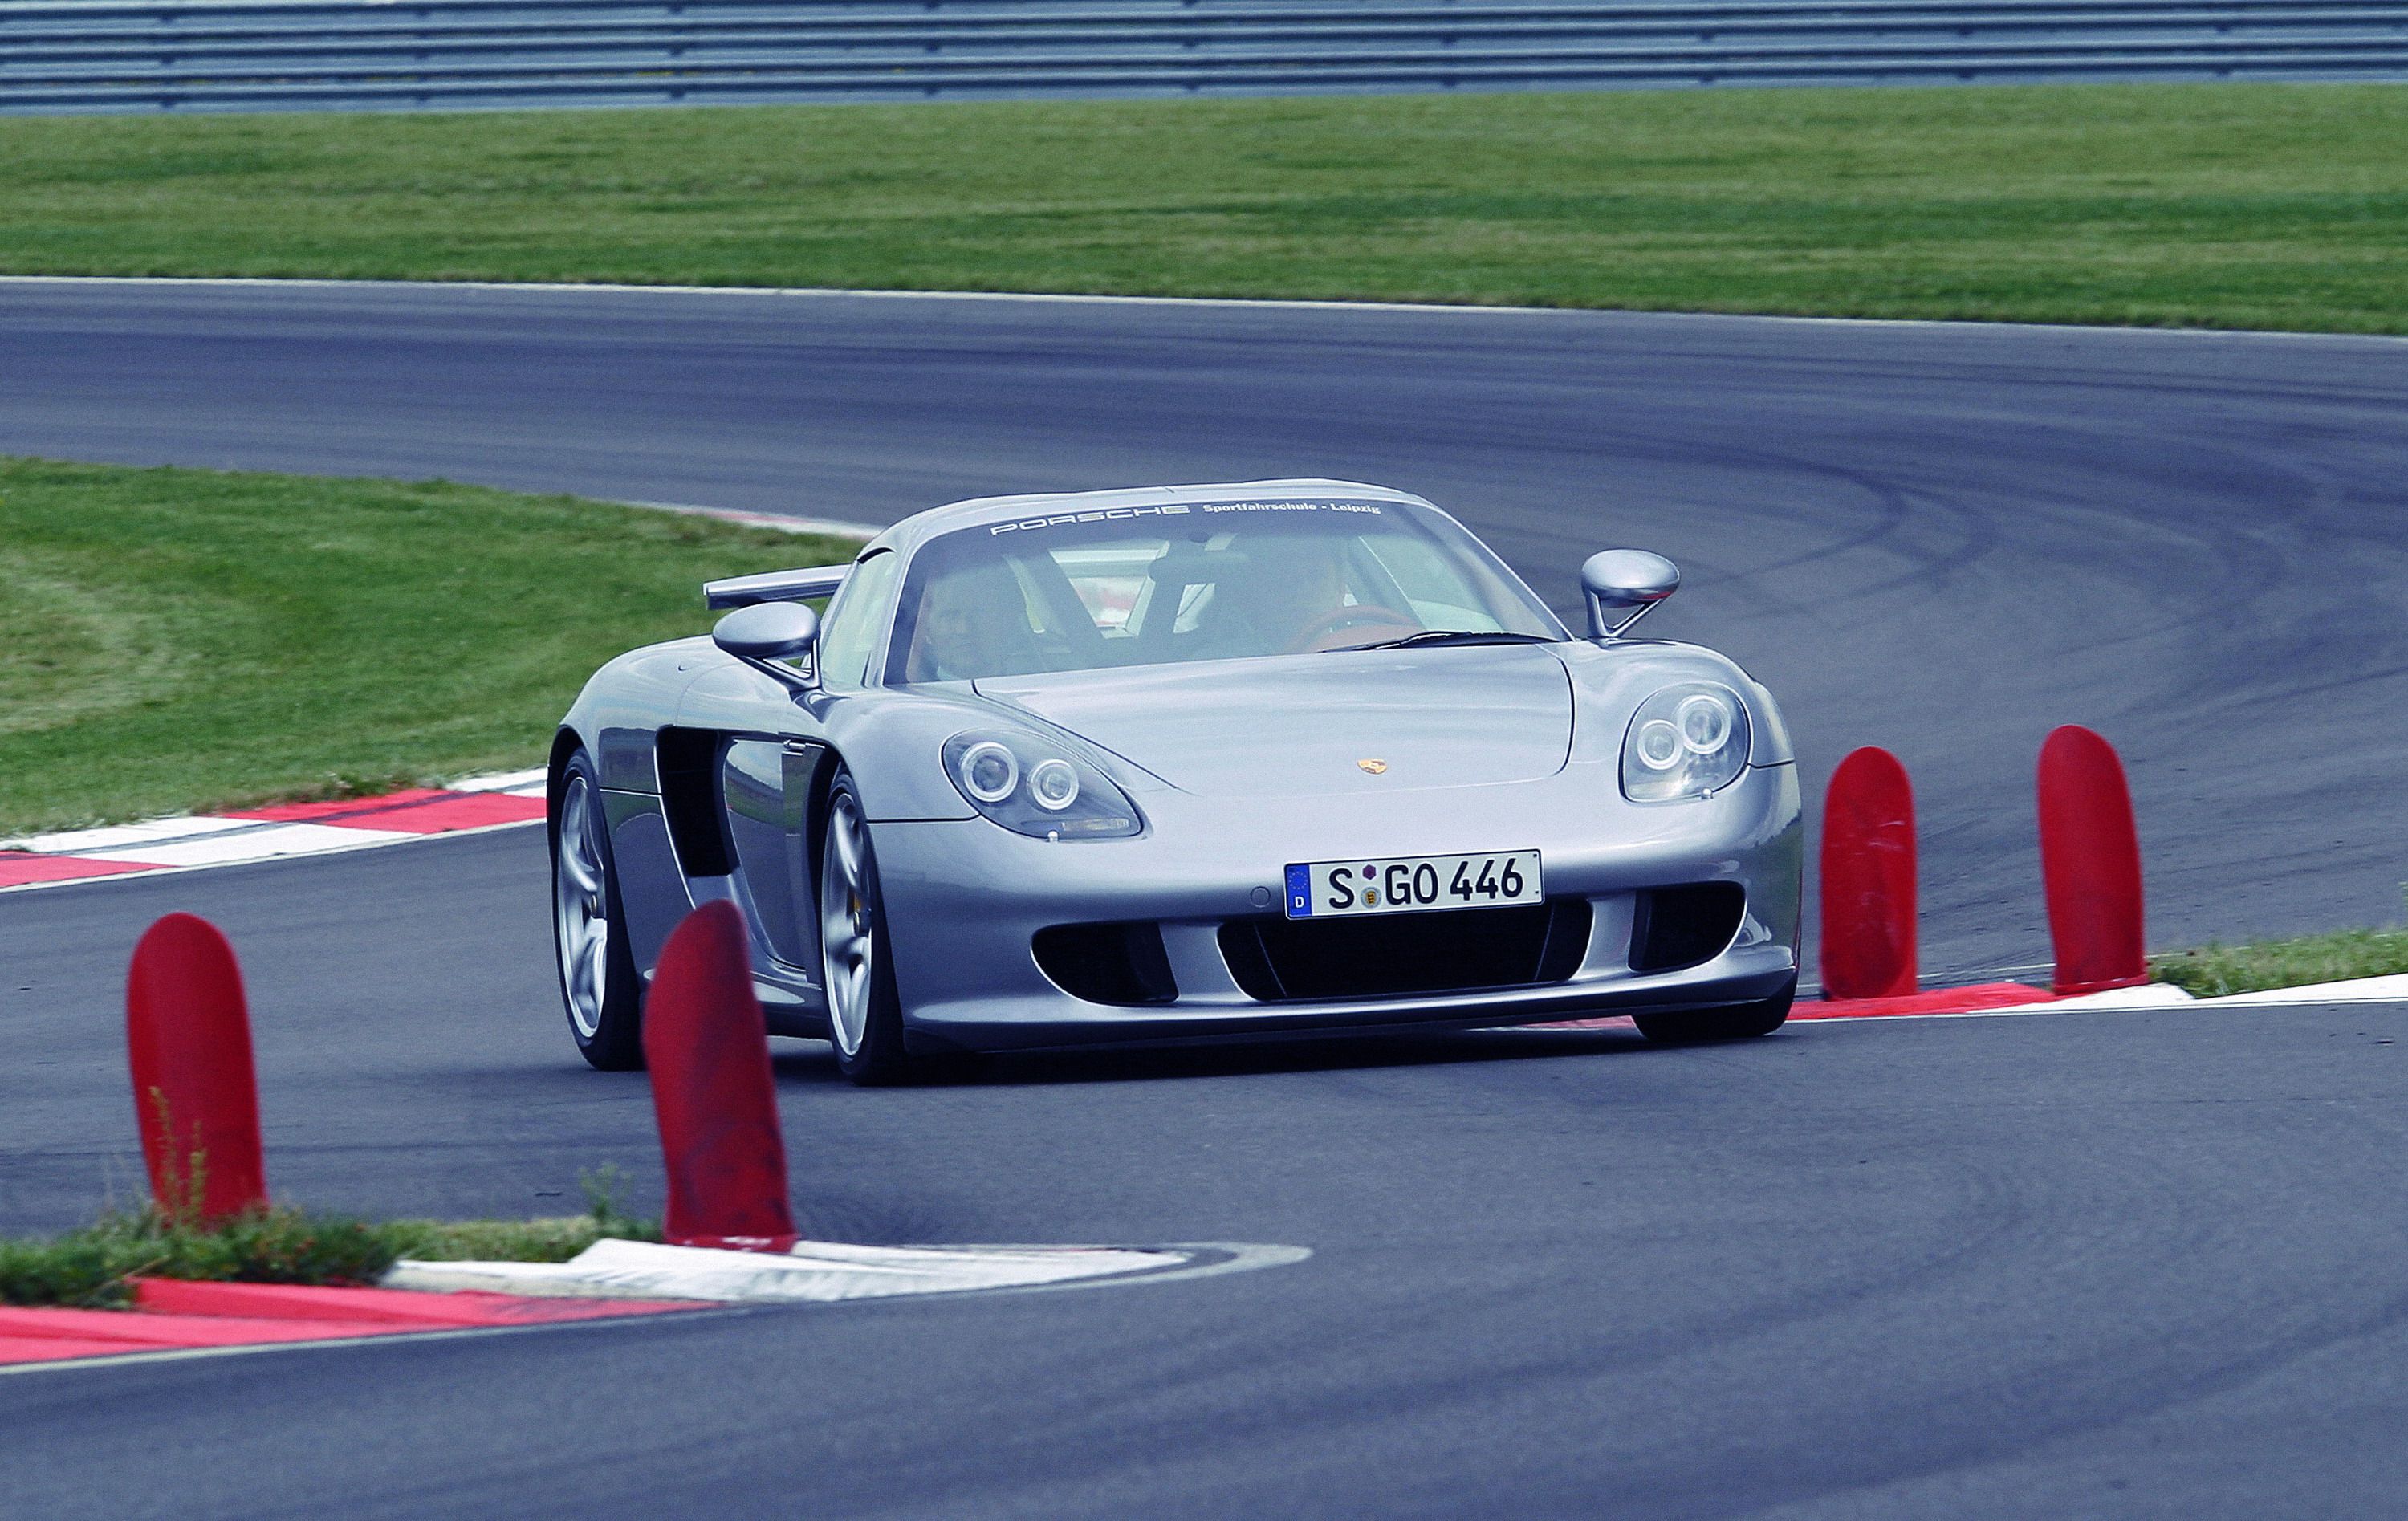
x=1200, y=581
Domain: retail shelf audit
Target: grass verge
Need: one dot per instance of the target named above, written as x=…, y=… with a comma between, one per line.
x=2213, y=970
x=2225, y=204
x=92, y=1268
x=189, y=639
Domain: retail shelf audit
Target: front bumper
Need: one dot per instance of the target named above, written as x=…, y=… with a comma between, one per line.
x=965, y=899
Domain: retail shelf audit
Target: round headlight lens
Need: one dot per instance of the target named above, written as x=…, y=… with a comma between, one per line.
x=1687, y=741
x=1659, y=744
x=1705, y=723
x=1054, y=784
x=989, y=773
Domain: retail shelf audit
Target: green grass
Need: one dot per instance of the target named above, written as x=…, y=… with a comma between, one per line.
x=2257, y=205
x=187, y=640
x=92, y=1268
x=2213, y=970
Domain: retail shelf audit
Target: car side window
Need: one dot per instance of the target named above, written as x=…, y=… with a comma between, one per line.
x=850, y=635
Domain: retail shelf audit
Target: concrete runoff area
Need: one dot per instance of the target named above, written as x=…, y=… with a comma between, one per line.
x=2131, y=1263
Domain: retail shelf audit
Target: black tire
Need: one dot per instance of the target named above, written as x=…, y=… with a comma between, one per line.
x=1734, y=1021
x=853, y=942
x=615, y=1041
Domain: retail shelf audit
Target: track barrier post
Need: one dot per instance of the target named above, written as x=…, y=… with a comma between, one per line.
x=1868, y=878
x=2090, y=864
x=708, y=1046
x=196, y=1093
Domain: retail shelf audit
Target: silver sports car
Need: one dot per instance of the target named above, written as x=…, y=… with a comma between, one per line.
x=1180, y=764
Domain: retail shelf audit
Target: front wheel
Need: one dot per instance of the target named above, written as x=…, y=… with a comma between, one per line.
x=1739, y=1022
x=865, y=1015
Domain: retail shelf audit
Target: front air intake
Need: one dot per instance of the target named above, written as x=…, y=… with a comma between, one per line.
x=1382, y=956
x=1683, y=927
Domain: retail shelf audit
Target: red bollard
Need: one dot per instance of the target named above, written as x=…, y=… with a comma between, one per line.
x=2090, y=862
x=709, y=1051
x=195, y=1098
x=1868, y=943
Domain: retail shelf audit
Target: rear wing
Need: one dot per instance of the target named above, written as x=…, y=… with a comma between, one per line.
x=774, y=586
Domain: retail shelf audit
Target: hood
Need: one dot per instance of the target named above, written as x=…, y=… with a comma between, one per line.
x=1300, y=725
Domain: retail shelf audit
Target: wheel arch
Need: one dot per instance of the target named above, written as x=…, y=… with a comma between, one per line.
x=828, y=761
x=565, y=742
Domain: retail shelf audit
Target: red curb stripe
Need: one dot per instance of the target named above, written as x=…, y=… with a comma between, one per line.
x=395, y=1308
x=19, y=869
x=178, y=1316
x=146, y=1333
x=337, y=809
x=461, y=811
x=1946, y=1000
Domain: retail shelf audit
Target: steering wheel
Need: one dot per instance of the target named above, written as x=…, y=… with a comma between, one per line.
x=1318, y=634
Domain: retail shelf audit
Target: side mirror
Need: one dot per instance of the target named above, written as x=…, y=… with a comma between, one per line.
x=1624, y=579
x=768, y=631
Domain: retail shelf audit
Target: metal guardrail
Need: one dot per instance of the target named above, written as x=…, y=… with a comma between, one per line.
x=366, y=54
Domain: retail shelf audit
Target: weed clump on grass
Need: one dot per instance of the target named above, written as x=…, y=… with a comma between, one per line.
x=95, y=1268
x=92, y=1267
x=2210, y=971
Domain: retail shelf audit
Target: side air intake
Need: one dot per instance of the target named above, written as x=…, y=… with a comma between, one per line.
x=1123, y=964
x=1683, y=927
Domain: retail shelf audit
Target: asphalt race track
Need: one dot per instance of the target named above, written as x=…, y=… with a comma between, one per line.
x=1943, y=540
x=2139, y=1263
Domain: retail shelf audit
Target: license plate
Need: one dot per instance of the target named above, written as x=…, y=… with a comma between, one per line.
x=1413, y=884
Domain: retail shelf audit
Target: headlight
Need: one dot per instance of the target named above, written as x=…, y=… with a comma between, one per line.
x=1030, y=787
x=1685, y=741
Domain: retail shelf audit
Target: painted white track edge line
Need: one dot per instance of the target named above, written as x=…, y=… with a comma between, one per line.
x=2353, y=990
x=837, y=291
x=747, y=517
x=1242, y=1257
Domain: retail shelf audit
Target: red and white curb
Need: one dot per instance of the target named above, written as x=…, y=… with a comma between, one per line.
x=267, y=833
x=608, y=1280
x=1994, y=1000
x=821, y=1273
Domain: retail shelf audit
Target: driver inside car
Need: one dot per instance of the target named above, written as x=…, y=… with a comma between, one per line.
x=1294, y=598
x=973, y=622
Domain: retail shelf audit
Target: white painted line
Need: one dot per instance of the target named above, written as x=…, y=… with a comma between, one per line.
x=821, y=1273
x=113, y=842
x=826, y=292
x=2391, y=989
x=2153, y=995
